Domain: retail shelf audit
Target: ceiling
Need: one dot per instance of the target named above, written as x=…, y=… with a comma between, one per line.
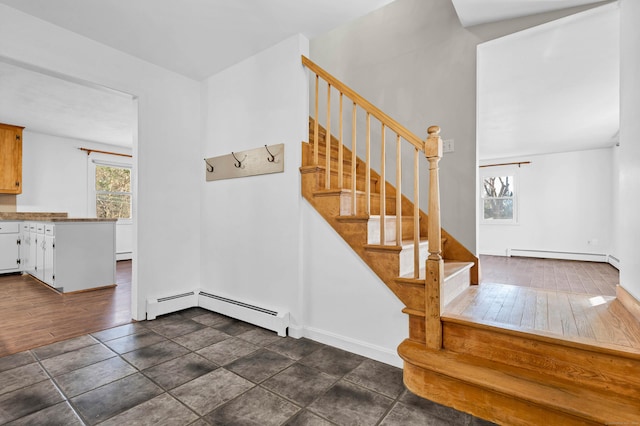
x=551, y=88
x=174, y=34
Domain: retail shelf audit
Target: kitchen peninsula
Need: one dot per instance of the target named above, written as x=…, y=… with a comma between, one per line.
x=67, y=254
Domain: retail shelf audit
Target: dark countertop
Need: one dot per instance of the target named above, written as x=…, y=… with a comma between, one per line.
x=48, y=217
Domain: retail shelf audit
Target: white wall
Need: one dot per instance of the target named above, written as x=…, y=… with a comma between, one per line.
x=347, y=305
x=167, y=146
x=564, y=204
x=629, y=178
x=251, y=226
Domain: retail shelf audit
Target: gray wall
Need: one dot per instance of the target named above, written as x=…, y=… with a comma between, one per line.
x=415, y=61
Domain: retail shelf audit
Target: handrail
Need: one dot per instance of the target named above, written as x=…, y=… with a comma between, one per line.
x=365, y=104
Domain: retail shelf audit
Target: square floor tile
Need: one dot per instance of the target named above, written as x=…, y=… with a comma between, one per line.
x=20, y=377
x=429, y=409
x=59, y=348
x=192, y=312
x=257, y=407
x=201, y=338
x=93, y=376
x=211, y=319
x=173, y=326
x=179, y=371
x=260, y=337
x=60, y=414
x=163, y=410
x=307, y=418
x=27, y=400
x=402, y=415
x=16, y=360
x=120, y=331
x=379, y=377
x=78, y=358
x=333, y=361
x=134, y=341
x=154, y=354
x=234, y=327
x=295, y=348
x=99, y=404
x=347, y=404
x=260, y=365
x=208, y=392
x=300, y=383
x=227, y=351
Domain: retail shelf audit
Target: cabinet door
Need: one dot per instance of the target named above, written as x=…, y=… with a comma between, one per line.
x=39, y=271
x=9, y=252
x=10, y=159
x=49, y=260
x=30, y=264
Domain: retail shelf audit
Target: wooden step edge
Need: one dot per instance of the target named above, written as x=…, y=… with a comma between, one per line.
x=309, y=169
x=353, y=218
x=545, y=337
x=414, y=312
x=451, y=269
x=383, y=248
x=559, y=395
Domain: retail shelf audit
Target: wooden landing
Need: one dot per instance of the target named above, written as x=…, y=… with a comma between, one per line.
x=599, y=321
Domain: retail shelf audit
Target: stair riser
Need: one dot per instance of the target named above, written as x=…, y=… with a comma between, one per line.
x=595, y=370
x=390, y=229
x=482, y=402
x=406, y=258
x=346, y=208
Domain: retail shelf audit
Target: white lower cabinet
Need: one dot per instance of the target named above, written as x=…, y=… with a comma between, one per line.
x=10, y=247
x=67, y=255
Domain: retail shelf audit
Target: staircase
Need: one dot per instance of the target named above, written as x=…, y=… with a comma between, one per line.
x=498, y=373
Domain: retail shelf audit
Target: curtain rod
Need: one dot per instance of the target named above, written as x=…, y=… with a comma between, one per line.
x=506, y=164
x=89, y=151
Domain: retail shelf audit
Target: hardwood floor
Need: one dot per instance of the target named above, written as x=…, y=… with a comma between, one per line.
x=551, y=274
x=32, y=314
x=595, y=320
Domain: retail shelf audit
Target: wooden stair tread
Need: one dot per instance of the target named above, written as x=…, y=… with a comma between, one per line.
x=547, y=337
x=544, y=391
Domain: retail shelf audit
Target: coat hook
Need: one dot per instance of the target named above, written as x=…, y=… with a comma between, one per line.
x=209, y=166
x=271, y=157
x=238, y=163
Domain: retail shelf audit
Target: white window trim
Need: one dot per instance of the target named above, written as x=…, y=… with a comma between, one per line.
x=98, y=159
x=499, y=171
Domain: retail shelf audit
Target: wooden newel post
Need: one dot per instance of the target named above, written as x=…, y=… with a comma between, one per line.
x=435, y=264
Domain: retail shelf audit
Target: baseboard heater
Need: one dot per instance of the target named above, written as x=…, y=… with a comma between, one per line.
x=262, y=317
x=545, y=254
x=166, y=305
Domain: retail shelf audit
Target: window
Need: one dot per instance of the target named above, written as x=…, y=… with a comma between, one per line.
x=113, y=192
x=498, y=199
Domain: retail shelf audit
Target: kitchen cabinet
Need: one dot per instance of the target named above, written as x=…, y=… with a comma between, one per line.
x=10, y=159
x=10, y=247
x=69, y=255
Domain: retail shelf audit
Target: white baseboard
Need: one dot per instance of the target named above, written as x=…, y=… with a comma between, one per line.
x=378, y=353
x=614, y=261
x=127, y=255
x=494, y=252
x=545, y=254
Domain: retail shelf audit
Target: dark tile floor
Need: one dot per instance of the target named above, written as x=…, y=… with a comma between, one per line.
x=200, y=368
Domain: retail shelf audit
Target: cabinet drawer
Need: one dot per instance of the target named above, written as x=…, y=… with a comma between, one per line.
x=25, y=227
x=40, y=228
x=9, y=227
x=50, y=229
x=32, y=227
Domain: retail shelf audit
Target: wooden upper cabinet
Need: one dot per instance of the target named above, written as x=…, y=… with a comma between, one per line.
x=10, y=159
